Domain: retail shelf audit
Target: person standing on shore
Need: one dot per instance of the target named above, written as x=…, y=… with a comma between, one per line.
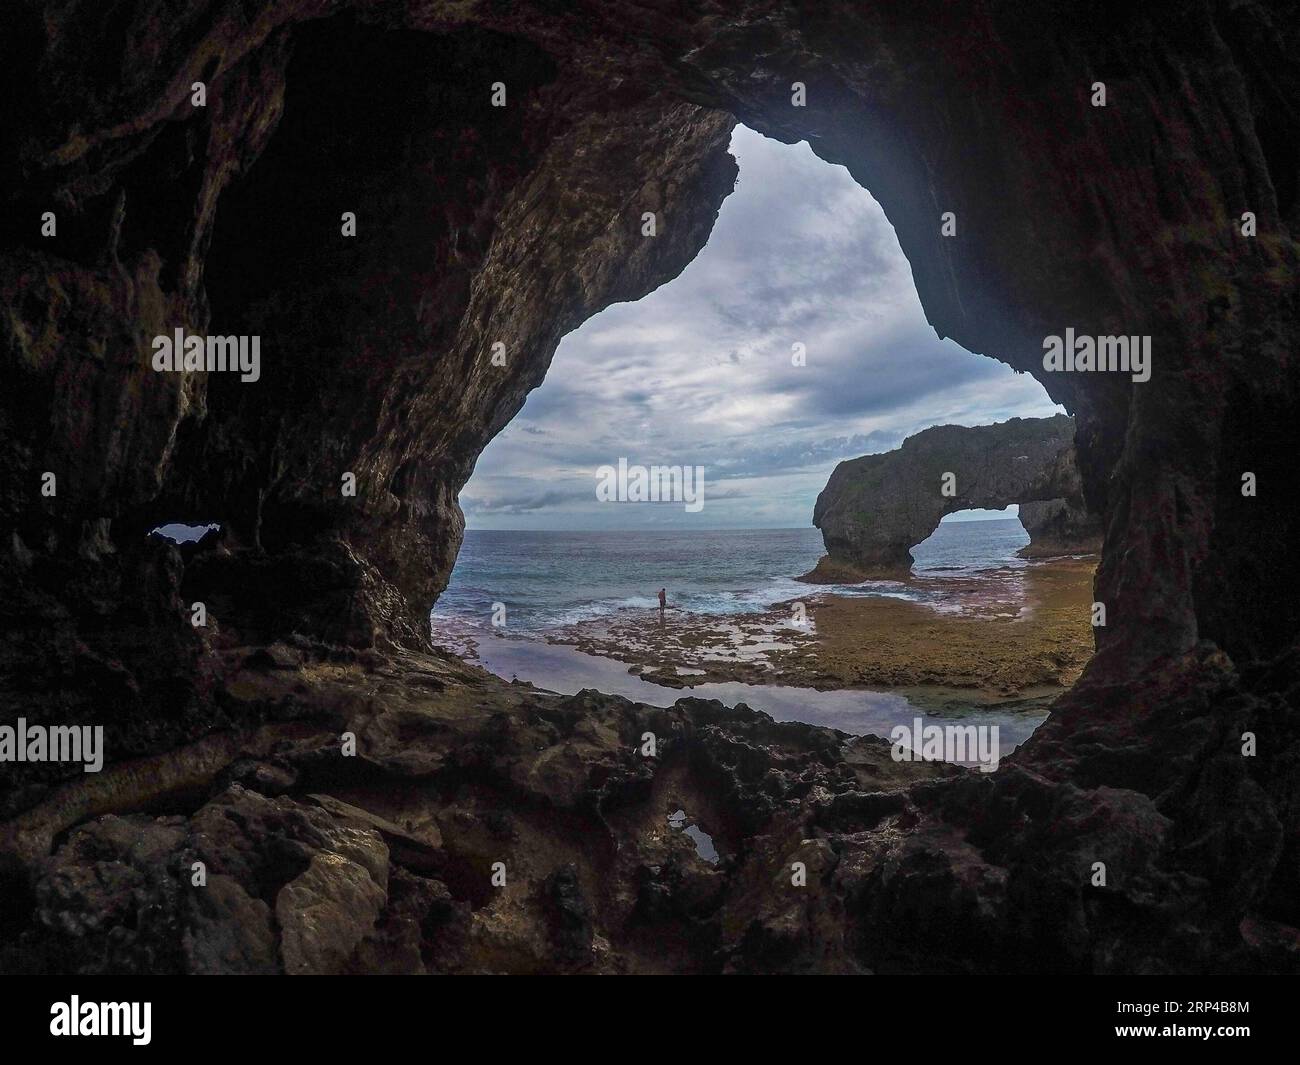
x=663, y=602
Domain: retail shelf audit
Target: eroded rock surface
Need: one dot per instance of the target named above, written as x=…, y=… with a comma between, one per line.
x=316, y=862
x=1056, y=527
x=876, y=508
x=387, y=861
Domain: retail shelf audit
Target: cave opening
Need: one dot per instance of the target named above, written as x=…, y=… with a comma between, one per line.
x=793, y=343
x=792, y=339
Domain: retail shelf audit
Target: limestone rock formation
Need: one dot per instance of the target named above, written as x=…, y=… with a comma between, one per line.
x=1058, y=527
x=126, y=211
x=874, y=509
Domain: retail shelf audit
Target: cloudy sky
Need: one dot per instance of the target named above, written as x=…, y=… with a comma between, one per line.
x=700, y=373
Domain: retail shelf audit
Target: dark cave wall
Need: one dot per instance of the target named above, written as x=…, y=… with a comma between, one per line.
x=376, y=351
x=476, y=226
x=467, y=225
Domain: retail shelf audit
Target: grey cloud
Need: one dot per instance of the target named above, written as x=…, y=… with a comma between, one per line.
x=522, y=504
x=699, y=371
x=803, y=454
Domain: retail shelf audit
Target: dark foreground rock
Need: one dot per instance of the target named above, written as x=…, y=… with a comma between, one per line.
x=487, y=827
x=876, y=508
x=479, y=827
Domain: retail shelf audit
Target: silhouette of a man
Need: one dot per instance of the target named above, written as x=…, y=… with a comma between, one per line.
x=663, y=603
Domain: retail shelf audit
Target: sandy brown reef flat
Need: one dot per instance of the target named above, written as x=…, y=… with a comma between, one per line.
x=1011, y=633
x=514, y=225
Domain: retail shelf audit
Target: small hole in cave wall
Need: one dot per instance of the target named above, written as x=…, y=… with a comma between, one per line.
x=180, y=533
x=680, y=821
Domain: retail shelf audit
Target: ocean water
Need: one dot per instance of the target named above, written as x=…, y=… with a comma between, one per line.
x=549, y=579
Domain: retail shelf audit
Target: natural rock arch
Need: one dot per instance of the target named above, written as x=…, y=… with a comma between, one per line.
x=876, y=508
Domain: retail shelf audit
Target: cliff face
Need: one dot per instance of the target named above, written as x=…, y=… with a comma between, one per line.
x=874, y=509
x=480, y=225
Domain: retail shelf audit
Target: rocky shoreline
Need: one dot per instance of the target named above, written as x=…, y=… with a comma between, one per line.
x=1008, y=634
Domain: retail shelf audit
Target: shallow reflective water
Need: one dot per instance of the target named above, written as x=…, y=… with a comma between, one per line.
x=562, y=669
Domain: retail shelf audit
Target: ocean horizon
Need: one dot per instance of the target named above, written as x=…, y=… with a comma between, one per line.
x=548, y=580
